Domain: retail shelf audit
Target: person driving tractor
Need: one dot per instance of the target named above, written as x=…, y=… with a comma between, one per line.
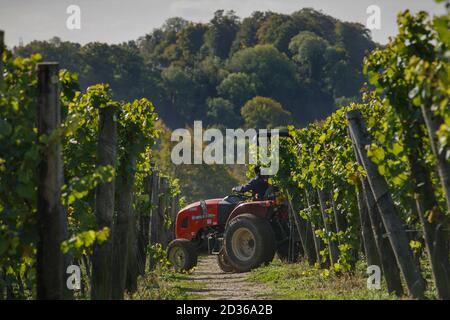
x=258, y=185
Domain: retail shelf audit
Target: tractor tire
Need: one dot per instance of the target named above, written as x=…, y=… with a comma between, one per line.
x=182, y=255
x=283, y=252
x=249, y=242
x=271, y=253
x=223, y=262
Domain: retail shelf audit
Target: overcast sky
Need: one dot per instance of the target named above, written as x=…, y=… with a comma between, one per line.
x=115, y=21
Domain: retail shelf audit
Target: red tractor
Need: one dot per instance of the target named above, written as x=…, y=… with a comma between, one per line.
x=243, y=233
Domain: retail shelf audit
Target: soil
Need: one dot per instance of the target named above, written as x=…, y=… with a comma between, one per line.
x=218, y=285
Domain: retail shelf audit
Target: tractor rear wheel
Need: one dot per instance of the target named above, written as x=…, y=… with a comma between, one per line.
x=182, y=255
x=249, y=242
x=224, y=263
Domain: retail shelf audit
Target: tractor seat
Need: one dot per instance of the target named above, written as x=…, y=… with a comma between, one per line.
x=226, y=206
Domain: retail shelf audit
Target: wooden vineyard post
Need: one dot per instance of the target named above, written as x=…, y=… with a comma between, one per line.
x=154, y=221
x=153, y=238
x=385, y=204
x=166, y=213
x=339, y=218
x=294, y=233
x=386, y=253
x=173, y=213
x=341, y=224
x=329, y=227
x=318, y=243
x=370, y=246
x=104, y=205
x=51, y=219
x=132, y=256
x=124, y=225
x=437, y=245
x=2, y=48
x=435, y=235
x=304, y=231
x=162, y=207
x=159, y=212
x=310, y=243
x=132, y=252
x=384, y=250
x=443, y=166
x=144, y=225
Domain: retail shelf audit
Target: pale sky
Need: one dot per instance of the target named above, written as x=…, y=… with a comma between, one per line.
x=115, y=21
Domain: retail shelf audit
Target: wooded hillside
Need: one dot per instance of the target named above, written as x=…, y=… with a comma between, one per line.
x=308, y=62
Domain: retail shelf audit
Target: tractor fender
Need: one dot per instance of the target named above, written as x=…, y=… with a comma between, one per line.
x=257, y=208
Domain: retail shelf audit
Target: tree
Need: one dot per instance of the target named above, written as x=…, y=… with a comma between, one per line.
x=178, y=83
x=356, y=40
x=340, y=77
x=117, y=65
x=246, y=36
x=262, y=112
x=237, y=87
x=175, y=24
x=316, y=22
x=190, y=39
x=221, y=111
x=222, y=31
x=272, y=70
x=277, y=29
x=309, y=49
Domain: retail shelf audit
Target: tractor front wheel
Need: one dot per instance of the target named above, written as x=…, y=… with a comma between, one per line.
x=182, y=255
x=224, y=263
x=249, y=242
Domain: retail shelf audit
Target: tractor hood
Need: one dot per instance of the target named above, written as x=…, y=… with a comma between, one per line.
x=197, y=204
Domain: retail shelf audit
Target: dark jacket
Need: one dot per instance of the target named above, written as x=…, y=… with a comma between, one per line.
x=258, y=186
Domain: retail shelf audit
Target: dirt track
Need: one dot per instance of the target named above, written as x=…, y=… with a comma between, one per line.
x=217, y=285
